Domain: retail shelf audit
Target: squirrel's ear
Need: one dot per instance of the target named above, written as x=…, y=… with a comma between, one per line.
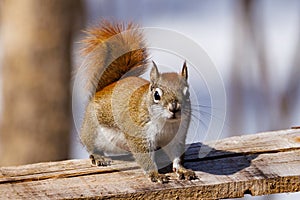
x=154, y=74
x=184, y=71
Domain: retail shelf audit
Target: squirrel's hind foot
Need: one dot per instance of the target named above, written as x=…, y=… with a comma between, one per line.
x=98, y=160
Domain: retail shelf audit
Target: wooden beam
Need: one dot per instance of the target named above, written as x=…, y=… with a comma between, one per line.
x=258, y=164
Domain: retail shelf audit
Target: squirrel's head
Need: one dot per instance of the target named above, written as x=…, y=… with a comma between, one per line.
x=169, y=93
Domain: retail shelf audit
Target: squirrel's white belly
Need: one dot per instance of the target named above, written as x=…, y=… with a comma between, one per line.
x=162, y=133
x=110, y=141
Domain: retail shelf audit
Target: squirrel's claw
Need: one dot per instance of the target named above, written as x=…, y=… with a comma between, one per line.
x=98, y=160
x=186, y=174
x=157, y=177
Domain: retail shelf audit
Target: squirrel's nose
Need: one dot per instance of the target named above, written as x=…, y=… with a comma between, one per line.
x=174, y=107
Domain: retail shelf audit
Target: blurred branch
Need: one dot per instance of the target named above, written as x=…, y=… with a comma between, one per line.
x=250, y=73
x=246, y=52
x=290, y=97
x=37, y=37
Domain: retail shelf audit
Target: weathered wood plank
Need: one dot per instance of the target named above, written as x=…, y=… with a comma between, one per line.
x=258, y=164
x=275, y=141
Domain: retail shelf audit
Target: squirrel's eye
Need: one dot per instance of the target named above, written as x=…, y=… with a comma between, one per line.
x=157, y=95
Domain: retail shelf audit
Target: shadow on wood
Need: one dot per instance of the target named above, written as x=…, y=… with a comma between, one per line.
x=203, y=158
x=217, y=162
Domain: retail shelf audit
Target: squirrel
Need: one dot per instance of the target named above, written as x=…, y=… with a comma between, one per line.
x=126, y=113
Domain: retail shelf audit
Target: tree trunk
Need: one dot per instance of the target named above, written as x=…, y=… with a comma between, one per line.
x=36, y=119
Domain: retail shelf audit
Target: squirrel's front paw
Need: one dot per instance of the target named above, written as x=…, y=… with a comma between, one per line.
x=157, y=177
x=99, y=160
x=186, y=174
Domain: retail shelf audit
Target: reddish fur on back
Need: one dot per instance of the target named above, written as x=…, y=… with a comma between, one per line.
x=112, y=50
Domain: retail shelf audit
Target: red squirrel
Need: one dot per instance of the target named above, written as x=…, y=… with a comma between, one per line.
x=126, y=113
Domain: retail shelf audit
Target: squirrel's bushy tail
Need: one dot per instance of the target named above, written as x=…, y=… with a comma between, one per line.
x=112, y=50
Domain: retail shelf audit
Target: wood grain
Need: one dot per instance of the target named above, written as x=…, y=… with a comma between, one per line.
x=258, y=164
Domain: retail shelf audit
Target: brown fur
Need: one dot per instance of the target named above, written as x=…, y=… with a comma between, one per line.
x=123, y=112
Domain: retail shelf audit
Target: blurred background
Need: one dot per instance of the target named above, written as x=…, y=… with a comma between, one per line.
x=254, y=44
